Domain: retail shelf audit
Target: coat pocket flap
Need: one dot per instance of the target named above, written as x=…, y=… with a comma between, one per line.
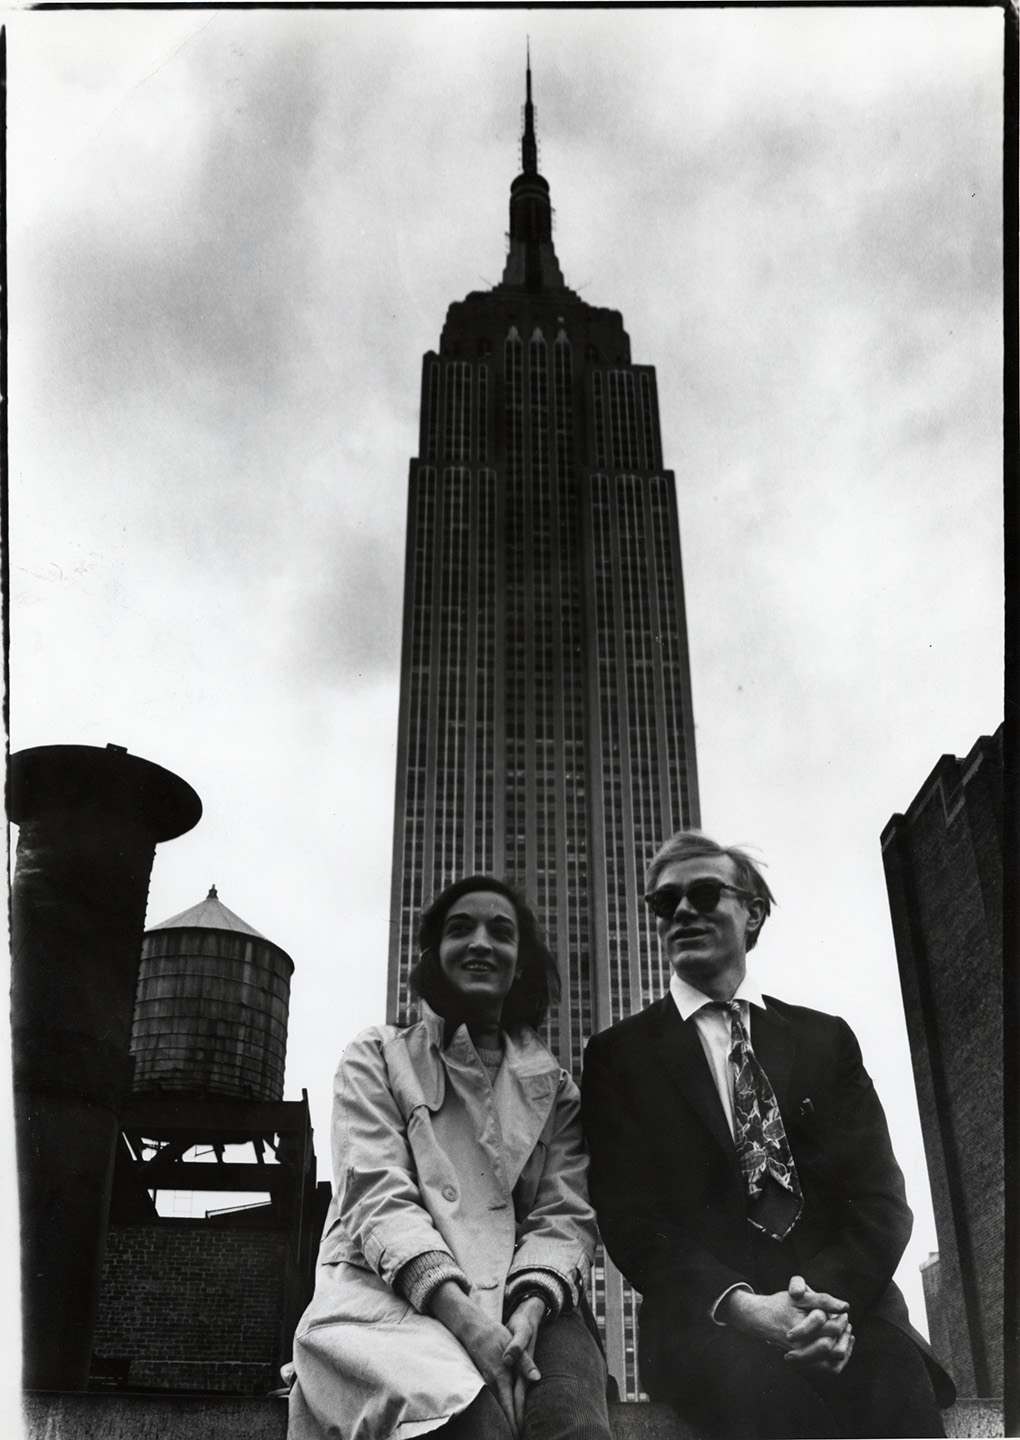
x=414, y=1085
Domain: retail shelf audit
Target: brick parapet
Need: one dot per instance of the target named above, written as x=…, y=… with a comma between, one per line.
x=193, y=1306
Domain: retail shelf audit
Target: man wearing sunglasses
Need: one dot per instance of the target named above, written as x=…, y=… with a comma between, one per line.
x=745, y=1184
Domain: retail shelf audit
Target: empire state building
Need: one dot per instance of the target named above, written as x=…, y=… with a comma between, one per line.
x=546, y=732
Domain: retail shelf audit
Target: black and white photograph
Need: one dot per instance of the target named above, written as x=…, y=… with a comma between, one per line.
x=505, y=597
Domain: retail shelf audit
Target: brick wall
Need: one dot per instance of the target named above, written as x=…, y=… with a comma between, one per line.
x=193, y=1306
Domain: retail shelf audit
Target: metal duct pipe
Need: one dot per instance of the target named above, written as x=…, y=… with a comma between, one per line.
x=89, y=821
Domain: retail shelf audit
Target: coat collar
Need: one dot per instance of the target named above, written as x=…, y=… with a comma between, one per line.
x=525, y=1088
x=525, y=1092
x=524, y=1054
x=423, y=1044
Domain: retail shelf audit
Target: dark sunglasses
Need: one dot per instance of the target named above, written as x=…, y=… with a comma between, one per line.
x=703, y=895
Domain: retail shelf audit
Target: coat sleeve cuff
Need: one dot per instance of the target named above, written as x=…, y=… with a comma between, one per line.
x=421, y=1277
x=713, y=1311
x=546, y=1284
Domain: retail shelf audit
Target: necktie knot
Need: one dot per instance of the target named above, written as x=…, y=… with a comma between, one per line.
x=733, y=1012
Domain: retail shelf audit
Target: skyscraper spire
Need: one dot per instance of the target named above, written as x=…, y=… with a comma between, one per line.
x=529, y=148
x=532, y=259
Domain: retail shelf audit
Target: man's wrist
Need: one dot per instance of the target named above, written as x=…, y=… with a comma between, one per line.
x=727, y=1309
x=733, y=1308
x=752, y=1314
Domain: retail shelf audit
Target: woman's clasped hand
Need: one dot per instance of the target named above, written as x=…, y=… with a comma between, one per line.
x=502, y=1354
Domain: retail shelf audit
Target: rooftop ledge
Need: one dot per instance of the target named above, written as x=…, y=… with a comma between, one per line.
x=104, y=1415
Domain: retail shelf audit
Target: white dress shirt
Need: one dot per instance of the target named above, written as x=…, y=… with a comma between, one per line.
x=714, y=1030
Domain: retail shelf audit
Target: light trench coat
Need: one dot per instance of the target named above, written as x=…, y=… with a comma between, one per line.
x=428, y=1155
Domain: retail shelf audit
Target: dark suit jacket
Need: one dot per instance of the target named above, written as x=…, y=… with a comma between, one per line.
x=670, y=1197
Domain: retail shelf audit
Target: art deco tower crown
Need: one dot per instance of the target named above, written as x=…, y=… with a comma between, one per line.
x=531, y=262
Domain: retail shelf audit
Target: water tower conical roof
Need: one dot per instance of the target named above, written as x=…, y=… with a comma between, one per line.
x=211, y=1009
x=208, y=914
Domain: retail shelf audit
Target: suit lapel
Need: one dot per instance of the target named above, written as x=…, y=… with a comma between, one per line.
x=773, y=1039
x=680, y=1053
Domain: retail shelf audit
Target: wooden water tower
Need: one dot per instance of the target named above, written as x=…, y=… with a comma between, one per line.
x=206, y=1114
x=211, y=1012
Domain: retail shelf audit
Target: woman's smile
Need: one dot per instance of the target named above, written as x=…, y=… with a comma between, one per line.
x=478, y=948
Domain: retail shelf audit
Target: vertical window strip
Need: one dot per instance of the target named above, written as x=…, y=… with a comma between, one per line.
x=615, y=858
x=452, y=716
x=615, y=420
x=622, y=419
x=514, y=680
x=485, y=672
x=466, y=412
x=514, y=362
x=631, y=432
x=538, y=385
x=541, y=666
x=483, y=414
x=640, y=690
x=574, y=945
x=416, y=807
x=630, y=1311
x=563, y=406
x=541, y=761
x=432, y=426
x=448, y=416
x=671, y=661
x=458, y=411
x=598, y=418
x=650, y=424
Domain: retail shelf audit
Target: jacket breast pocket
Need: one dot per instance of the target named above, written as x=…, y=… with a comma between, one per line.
x=411, y=1094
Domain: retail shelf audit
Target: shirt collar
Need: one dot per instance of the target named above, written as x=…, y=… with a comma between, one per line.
x=689, y=1000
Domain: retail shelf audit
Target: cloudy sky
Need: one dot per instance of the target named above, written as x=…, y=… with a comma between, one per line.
x=232, y=237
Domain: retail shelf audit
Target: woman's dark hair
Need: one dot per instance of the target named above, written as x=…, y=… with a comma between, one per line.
x=537, y=984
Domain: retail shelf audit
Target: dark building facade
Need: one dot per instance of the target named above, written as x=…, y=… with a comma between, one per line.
x=546, y=730
x=944, y=870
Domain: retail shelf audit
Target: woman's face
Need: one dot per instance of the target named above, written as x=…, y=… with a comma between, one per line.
x=478, y=950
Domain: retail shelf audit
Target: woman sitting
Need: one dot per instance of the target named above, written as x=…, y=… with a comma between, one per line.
x=459, y=1237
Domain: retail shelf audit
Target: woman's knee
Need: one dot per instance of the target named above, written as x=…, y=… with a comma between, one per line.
x=483, y=1419
x=569, y=1402
x=566, y=1347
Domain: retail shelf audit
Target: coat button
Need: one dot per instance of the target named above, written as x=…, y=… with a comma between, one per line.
x=449, y=1193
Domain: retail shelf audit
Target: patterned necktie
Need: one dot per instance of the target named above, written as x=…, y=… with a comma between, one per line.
x=774, y=1195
